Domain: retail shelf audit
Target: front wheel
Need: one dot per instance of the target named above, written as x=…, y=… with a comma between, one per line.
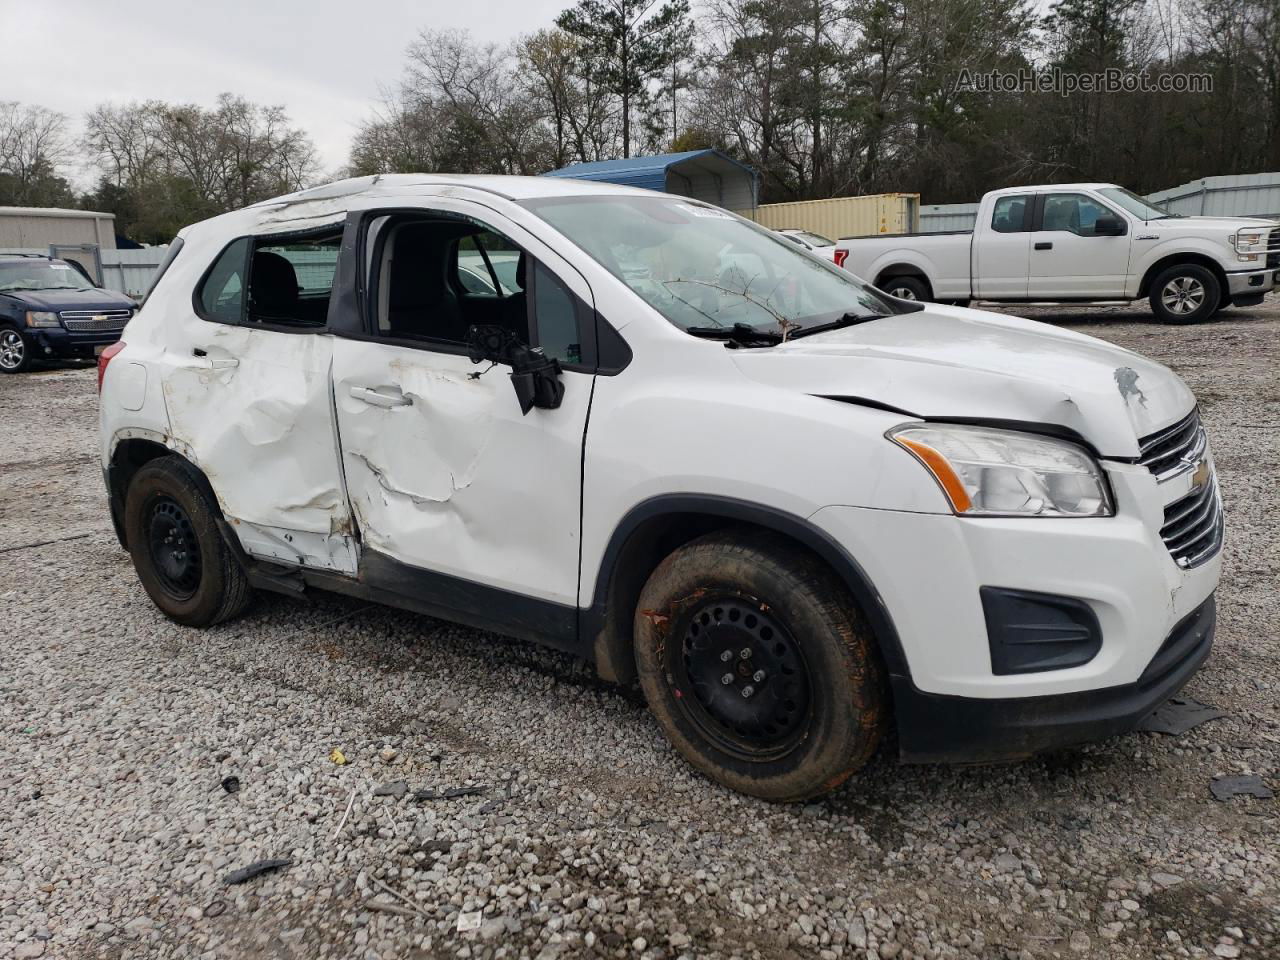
x=15, y=350
x=184, y=564
x=758, y=666
x=1186, y=293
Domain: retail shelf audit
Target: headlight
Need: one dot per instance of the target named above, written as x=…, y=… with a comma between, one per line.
x=1249, y=243
x=986, y=472
x=40, y=318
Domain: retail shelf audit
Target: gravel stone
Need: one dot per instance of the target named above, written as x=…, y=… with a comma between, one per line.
x=593, y=837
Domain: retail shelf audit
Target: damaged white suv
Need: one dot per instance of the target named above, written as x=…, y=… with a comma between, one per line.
x=640, y=429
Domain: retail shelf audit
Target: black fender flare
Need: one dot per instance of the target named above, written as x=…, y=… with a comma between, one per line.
x=730, y=509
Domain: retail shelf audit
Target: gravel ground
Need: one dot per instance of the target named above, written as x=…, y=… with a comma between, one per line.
x=591, y=837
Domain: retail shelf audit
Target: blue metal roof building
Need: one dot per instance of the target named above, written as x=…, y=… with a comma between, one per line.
x=707, y=175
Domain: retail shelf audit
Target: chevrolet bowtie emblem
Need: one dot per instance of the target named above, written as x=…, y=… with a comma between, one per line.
x=99, y=317
x=1201, y=475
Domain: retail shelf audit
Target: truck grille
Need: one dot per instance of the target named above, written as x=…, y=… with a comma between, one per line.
x=1193, y=526
x=87, y=320
x=1273, y=250
x=1173, y=449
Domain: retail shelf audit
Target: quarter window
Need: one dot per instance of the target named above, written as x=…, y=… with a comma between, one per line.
x=222, y=292
x=1009, y=215
x=272, y=281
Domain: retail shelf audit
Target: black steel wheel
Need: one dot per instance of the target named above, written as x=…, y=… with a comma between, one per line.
x=758, y=666
x=171, y=527
x=175, y=551
x=748, y=676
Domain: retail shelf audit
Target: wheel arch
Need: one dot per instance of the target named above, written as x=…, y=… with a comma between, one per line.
x=653, y=529
x=131, y=454
x=901, y=268
x=1180, y=259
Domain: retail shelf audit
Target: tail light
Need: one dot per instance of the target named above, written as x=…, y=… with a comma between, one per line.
x=840, y=256
x=105, y=357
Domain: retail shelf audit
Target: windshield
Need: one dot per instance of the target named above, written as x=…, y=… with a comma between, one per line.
x=1134, y=203
x=702, y=267
x=33, y=274
x=817, y=239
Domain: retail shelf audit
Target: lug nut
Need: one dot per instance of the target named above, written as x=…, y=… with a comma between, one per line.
x=748, y=690
x=758, y=676
x=727, y=679
x=726, y=656
x=745, y=653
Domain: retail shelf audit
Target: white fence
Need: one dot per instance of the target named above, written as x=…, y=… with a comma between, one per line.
x=128, y=271
x=1247, y=195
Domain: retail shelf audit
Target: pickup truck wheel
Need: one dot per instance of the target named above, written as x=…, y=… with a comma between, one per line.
x=15, y=351
x=759, y=667
x=907, y=288
x=1186, y=293
x=178, y=553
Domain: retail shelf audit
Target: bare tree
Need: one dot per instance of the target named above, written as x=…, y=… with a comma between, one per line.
x=34, y=148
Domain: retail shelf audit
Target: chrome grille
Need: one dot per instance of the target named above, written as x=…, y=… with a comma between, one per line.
x=1193, y=525
x=86, y=320
x=1173, y=449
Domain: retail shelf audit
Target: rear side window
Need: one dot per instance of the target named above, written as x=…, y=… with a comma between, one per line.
x=1009, y=215
x=221, y=294
x=272, y=281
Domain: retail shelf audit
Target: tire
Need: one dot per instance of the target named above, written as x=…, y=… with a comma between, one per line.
x=15, y=350
x=907, y=288
x=184, y=564
x=754, y=608
x=1185, y=293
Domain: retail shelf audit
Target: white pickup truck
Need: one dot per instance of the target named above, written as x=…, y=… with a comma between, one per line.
x=1078, y=242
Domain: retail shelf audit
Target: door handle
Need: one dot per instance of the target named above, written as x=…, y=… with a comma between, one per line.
x=1044, y=246
x=217, y=363
x=385, y=400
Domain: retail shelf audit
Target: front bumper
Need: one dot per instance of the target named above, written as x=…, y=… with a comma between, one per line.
x=1250, y=283
x=49, y=342
x=941, y=729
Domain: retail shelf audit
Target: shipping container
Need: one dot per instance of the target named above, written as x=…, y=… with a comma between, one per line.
x=845, y=216
x=29, y=227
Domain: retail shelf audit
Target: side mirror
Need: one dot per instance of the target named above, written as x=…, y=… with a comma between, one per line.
x=1109, y=227
x=534, y=376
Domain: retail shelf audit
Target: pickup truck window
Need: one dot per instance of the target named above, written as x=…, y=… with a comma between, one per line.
x=1073, y=212
x=1010, y=214
x=702, y=267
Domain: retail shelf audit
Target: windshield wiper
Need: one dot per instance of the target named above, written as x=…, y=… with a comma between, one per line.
x=740, y=334
x=844, y=320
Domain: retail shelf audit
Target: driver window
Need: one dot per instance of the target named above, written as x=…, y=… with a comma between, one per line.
x=433, y=279
x=1073, y=212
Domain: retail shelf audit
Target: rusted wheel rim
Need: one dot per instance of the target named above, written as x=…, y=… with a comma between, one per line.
x=741, y=677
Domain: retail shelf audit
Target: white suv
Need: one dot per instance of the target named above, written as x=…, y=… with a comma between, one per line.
x=796, y=509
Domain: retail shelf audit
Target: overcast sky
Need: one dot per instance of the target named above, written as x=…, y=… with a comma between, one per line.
x=324, y=60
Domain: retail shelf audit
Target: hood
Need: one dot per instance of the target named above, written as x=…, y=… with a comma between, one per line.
x=953, y=363
x=55, y=300
x=1213, y=225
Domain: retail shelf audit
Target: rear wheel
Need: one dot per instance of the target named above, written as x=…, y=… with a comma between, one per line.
x=1185, y=293
x=907, y=288
x=15, y=350
x=177, y=550
x=758, y=666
